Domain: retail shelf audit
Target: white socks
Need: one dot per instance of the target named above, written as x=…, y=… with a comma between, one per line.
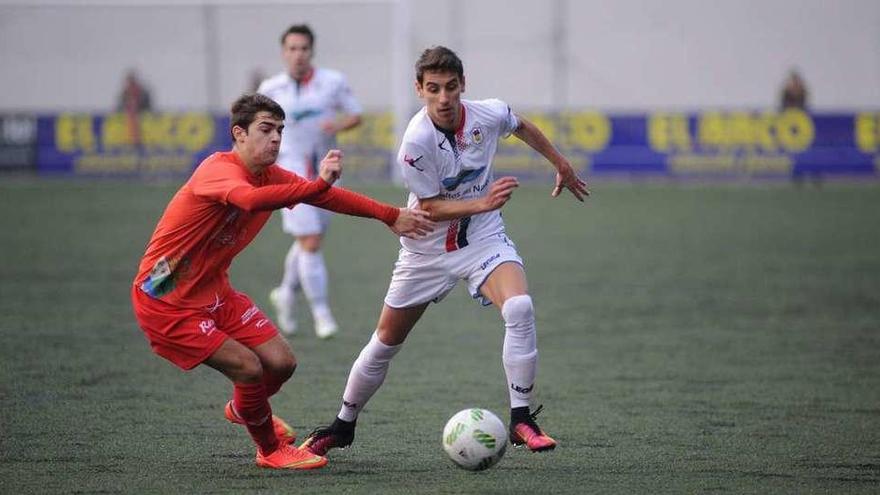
x=366, y=376
x=313, y=279
x=520, y=351
x=290, y=280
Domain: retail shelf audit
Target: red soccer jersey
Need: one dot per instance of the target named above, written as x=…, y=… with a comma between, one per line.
x=216, y=214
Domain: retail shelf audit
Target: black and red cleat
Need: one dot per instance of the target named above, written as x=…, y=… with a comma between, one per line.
x=525, y=431
x=336, y=436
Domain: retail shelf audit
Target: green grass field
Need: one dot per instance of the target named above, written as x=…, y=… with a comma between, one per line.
x=693, y=339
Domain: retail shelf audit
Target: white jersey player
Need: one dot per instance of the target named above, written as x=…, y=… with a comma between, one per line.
x=318, y=103
x=446, y=156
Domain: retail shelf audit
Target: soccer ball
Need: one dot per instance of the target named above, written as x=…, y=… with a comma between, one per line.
x=475, y=439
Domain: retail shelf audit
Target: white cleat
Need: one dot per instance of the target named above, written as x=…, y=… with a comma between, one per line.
x=326, y=327
x=282, y=299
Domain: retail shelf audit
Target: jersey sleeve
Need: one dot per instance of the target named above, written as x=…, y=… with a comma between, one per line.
x=506, y=117
x=420, y=173
x=355, y=204
x=345, y=100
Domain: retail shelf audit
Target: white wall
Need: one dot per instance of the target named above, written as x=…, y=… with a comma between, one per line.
x=623, y=54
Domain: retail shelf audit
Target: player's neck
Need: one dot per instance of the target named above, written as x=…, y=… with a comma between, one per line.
x=305, y=76
x=456, y=123
x=251, y=165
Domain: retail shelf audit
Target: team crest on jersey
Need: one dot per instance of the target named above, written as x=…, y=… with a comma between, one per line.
x=477, y=134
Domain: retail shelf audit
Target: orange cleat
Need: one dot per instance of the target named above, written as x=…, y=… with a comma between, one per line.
x=527, y=432
x=287, y=456
x=285, y=434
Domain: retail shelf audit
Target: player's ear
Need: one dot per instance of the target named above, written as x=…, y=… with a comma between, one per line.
x=238, y=132
x=462, y=83
x=418, y=88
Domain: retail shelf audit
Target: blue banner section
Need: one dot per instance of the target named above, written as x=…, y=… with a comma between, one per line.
x=720, y=144
x=149, y=144
x=710, y=144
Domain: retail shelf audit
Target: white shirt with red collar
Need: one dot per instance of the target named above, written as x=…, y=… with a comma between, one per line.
x=307, y=104
x=454, y=166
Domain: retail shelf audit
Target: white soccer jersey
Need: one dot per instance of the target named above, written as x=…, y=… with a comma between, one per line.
x=307, y=104
x=454, y=166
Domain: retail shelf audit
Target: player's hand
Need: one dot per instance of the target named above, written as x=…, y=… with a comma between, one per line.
x=413, y=223
x=500, y=192
x=331, y=166
x=567, y=178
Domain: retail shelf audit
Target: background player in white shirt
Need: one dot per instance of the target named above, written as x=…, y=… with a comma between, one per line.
x=318, y=104
x=446, y=157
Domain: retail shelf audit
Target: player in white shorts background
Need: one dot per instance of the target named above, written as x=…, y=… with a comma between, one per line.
x=446, y=157
x=318, y=103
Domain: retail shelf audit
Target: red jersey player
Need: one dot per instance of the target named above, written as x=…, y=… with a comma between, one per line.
x=182, y=297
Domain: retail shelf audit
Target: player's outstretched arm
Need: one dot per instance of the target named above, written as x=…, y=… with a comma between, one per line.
x=566, y=177
x=448, y=209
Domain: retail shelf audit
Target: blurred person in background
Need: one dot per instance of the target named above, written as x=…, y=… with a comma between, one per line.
x=182, y=298
x=133, y=100
x=446, y=159
x=318, y=103
x=794, y=92
x=794, y=96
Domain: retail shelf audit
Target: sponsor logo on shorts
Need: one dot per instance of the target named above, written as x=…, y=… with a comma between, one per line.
x=492, y=258
x=247, y=315
x=262, y=322
x=207, y=326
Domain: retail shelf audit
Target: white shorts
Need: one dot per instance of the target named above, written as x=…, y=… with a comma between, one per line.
x=421, y=278
x=305, y=220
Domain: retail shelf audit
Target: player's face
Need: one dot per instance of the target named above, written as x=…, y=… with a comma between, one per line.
x=297, y=54
x=442, y=94
x=260, y=144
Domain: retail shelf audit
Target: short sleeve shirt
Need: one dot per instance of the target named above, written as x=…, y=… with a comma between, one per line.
x=307, y=104
x=455, y=166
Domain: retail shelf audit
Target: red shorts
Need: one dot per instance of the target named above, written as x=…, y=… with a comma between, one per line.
x=187, y=337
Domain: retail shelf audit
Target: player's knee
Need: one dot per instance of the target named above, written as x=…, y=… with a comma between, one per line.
x=518, y=310
x=282, y=369
x=248, y=368
x=376, y=355
x=309, y=243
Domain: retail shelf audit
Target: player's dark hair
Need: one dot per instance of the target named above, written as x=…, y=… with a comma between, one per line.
x=438, y=59
x=247, y=106
x=302, y=29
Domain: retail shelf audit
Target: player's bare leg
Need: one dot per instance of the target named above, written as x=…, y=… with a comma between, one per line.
x=366, y=376
x=250, y=404
x=506, y=287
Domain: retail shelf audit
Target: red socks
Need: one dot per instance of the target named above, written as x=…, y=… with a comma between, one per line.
x=252, y=405
x=273, y=383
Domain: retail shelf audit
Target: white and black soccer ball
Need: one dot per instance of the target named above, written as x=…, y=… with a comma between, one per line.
x=475, y=439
